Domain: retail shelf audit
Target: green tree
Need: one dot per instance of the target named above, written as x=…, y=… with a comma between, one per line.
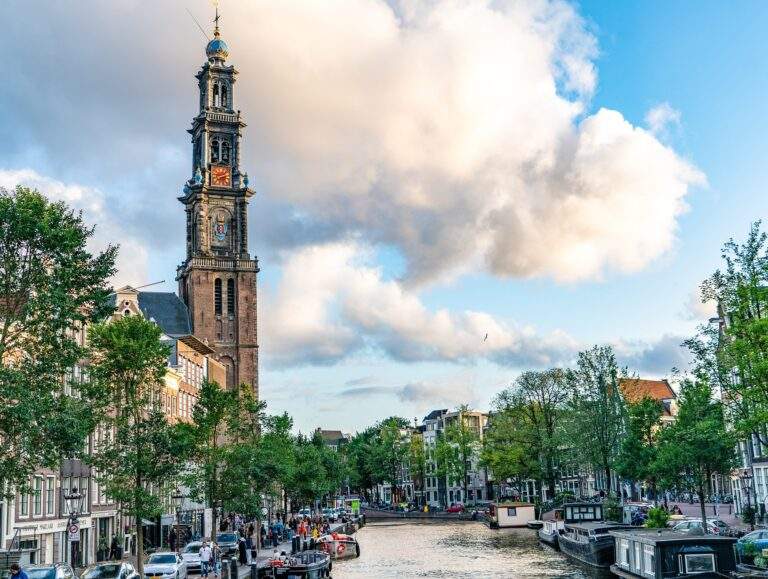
x=456, y=448
x=358, y=454
x=697, y=444
x=639, y=448
x=389, y=451
x=208, y=444
x=734, y=356
x=309, y=482
x=597, y=413
x=526, y=438
x=51, y=286
x=140, y=451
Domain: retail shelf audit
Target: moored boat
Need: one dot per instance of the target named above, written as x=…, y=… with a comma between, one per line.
x=657, y=554
x=304, y=565
x=510, y=514
x=550, y=532
x=590, y=543
x=534, y=524
x=339, y=546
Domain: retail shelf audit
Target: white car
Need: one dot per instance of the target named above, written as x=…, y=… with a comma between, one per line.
x=191, y=556
x=694, y=526
x=165, y=565
x=330, y=514
x=305, y=512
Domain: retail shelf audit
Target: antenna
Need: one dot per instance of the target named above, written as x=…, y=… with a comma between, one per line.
x=192, y=16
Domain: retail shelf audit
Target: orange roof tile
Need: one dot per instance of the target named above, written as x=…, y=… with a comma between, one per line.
x=635, y=389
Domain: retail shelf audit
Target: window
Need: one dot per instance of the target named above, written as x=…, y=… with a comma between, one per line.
x=511, y=511
x=231, y=297
x=24, y=505
x=37, y=509
x=624, y=553
x=700, y=563
x=216, y=94
x=225, y=152
x=217, y=296
x=648, y=562
x=50, y=488
x=638, y=559
x=224, y=100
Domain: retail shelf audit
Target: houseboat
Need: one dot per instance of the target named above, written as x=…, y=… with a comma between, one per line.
x=657, y=554
x=509, y=515
x=339, y=546
x=304, y=565
x=550, y=532
x=585, y=536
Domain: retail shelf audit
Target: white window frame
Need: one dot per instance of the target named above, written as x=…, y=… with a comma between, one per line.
x=50, y=495
x=23, y=509
x=37, y=497
x=624, y=553
x=711, y=558
x=638, y=556
x=649, y=556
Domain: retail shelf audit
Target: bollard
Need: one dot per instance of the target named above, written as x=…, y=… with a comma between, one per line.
x=233, y=569
x=224, y=568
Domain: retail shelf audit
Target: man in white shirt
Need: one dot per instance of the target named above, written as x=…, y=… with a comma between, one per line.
x=205, y=559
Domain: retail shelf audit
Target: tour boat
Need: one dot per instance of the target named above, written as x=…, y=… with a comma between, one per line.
x=304, y=565
x=339, y=546
x=550, y=531
x=657, y=554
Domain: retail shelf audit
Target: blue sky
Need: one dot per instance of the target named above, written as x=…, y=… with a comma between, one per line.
x=445, y=189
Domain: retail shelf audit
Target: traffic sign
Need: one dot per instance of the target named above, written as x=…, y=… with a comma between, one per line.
x=74, y=532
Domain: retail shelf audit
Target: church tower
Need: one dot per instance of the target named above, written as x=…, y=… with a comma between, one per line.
x=217, y=280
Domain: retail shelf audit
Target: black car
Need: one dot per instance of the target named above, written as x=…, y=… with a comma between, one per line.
x=53, y=571
x=227, y=542
x=110, y=570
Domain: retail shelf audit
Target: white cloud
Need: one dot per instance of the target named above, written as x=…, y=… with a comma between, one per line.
x=456, y=131
x=697, y=310
x=449, y=392
x=331, y=302
x=660, y=117
x=132, y=256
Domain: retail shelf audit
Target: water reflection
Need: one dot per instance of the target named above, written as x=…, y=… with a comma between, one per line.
x=454, y=549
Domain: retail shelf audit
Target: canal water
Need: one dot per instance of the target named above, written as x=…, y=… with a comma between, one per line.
x=405, y=549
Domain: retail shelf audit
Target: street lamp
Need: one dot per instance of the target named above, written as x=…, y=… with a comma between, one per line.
x=746, y=481
x=74, y=502
x=178, y=499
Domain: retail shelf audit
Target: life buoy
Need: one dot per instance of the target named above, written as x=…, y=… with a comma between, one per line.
x=276, y=563
x=341, y=548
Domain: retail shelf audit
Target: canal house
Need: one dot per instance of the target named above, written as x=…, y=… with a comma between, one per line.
x=665, y=554
x=508, y=515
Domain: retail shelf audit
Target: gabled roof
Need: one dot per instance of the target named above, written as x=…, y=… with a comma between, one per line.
x=435, y=414
x=331, y=435
x=164, y=308
x=635, y=389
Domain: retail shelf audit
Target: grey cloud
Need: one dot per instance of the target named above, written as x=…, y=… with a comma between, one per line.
x=362, y=381
x=657, y=358
x=365, y=391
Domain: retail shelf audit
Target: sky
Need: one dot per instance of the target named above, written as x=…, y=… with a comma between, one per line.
x=449, y=192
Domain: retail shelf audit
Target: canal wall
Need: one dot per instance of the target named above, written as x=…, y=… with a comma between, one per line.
x=385, y=515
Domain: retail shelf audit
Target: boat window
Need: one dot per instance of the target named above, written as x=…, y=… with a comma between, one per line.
x=511, y=511
x=700, y=563
x=648, y=562
x=624, y=553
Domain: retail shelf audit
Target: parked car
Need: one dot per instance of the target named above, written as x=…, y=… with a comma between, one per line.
x=110, y=570
x=305, y=512
x=759, y=538
x=455, y=508
x=694, y=526
x=165, y=565
x=330, y=514
x=227, y=543
x=53, y=571
x=191, y=556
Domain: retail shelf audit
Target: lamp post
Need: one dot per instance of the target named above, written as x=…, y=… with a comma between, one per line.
x=178, y=499
x=74, y=501
x=746, y=480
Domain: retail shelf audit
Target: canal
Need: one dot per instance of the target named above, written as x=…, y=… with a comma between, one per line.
x=405, y=549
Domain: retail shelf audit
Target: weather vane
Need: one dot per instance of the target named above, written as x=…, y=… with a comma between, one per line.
x=216, y=19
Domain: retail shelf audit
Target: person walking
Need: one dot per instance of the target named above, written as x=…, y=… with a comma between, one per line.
x=242, y=555
x=17, y=572
x=113, y=549
x=216, y=560
x=205, y=553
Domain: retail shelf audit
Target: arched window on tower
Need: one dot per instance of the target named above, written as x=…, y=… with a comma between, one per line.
x=224, y=95
x=231, y=297
x=225, y=152
x=216, y=94
x=215, y=151
x=217, y=296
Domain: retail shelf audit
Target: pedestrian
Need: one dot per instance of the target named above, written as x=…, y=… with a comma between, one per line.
x=113, y=548
x=205, y=554
x=172, y=539
x=17, y=572
x=216, y=560
x=242, y=555
x=263, y=534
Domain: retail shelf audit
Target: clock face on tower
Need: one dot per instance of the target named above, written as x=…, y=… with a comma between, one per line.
x=220, y=176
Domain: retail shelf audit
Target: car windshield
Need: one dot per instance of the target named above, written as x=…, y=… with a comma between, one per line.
x=41, y=573
x=101, y=572
x=193, y=547
x=164, y=559
x=226, y=538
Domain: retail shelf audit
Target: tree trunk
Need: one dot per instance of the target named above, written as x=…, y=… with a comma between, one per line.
x=702, y=504
x=608, y=485
x=139, y=547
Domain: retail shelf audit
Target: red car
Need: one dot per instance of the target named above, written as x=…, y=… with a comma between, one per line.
x=455, y=508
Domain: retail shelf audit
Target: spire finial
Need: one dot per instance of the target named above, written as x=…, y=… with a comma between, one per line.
x=216, y=20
